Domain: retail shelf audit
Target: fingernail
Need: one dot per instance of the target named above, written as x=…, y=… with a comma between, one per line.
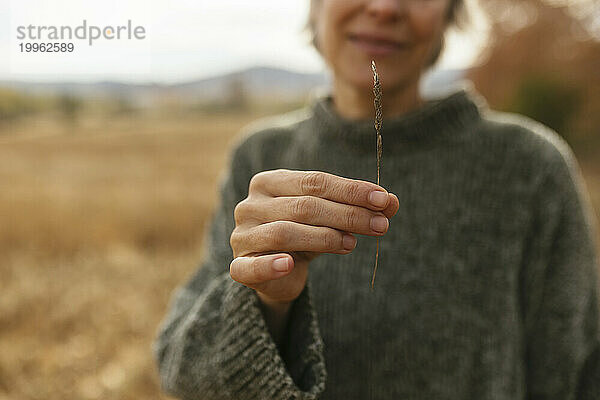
x=379, y=223
x=281, y=264
x=378, y=198
x=349, y=242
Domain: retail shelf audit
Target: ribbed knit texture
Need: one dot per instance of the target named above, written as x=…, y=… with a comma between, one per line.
x=487, y=285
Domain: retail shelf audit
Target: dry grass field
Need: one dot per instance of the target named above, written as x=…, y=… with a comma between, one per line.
x=98, y=226
x=99, y=222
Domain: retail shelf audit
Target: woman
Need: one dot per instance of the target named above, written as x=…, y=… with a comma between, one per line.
x=487, y=282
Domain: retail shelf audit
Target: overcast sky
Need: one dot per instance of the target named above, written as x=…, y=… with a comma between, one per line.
x=184, y=39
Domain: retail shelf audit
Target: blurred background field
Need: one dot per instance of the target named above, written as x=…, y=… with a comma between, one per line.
x=98, y=227
x=105, y=190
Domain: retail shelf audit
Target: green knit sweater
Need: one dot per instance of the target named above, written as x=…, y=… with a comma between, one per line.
x=487, y=285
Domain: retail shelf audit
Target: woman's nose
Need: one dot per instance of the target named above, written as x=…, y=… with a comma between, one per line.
x=385, y=9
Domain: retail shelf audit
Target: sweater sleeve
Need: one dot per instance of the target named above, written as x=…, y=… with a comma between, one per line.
x=559, y=290
x=214, y=342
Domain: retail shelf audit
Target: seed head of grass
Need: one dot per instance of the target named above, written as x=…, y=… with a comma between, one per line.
x=378, y=123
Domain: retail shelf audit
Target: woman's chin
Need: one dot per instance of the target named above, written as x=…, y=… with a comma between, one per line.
x=364, y=82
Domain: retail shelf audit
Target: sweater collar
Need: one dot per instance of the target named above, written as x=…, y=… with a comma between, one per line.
x=449, y=115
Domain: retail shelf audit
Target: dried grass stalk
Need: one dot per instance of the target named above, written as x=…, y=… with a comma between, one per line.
x=378, y=122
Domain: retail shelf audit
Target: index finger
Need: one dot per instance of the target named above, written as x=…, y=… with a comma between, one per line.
x=285, y=182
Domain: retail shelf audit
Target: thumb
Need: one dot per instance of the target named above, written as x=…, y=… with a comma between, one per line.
x=255, y=270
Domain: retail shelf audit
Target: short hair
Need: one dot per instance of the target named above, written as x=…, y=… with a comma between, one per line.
x=459, y=17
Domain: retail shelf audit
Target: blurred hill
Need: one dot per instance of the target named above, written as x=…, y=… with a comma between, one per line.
x=258, y=83
x=265, y=88
x=254, y=83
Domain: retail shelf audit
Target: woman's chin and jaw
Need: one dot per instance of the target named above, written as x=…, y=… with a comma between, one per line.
x=399, y=74
x=396, y=71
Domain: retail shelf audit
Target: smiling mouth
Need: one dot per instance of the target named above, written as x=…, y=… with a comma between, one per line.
x=376, y=46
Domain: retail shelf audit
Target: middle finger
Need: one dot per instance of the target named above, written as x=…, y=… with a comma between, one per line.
x=322, y=212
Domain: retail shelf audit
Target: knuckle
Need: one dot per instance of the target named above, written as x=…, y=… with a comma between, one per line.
x=277, y=234
x=312, y=183
x=238, y=212
x=332, y=241
x=353, y=192
x=234, y=239
x=303, y=207
x=245, y=210
x=255, y=268
x=352, y=218
x=256, y=181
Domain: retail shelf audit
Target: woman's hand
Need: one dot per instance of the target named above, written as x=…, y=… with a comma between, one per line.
x=302, y=214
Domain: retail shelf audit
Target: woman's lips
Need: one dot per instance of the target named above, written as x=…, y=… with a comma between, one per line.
x=376, y=46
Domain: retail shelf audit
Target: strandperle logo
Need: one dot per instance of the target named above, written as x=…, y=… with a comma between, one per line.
x=90, y=33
